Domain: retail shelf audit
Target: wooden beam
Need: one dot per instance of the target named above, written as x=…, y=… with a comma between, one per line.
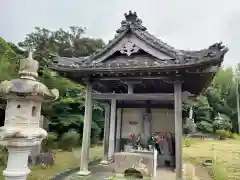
x=101, y=86
x=153, y=106
x=211, y=69
x=139, y=96
x=122, y=78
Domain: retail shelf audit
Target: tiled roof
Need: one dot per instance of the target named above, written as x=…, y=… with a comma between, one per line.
x=134, y=25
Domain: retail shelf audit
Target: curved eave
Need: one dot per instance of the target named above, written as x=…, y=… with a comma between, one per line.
x=213, y=61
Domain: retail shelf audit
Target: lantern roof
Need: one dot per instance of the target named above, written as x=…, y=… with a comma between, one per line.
x=27, y=84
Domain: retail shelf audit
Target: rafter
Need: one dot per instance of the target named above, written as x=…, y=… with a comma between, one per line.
x=139, y=96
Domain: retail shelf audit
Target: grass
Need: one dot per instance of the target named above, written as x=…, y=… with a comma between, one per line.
x=63, y=160
x=227, y=165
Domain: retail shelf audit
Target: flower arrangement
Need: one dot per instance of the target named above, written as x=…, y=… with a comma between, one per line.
x=153, y=139
x=132, y=138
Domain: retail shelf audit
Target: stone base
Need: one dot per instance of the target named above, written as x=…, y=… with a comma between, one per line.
x=15, y=175
x=142, y=162
x=111, y=160
x=120, y=176
x=84, y=173
x=104, y=162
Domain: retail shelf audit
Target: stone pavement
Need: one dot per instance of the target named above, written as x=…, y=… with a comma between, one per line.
x=164, y=173
x=100, y=172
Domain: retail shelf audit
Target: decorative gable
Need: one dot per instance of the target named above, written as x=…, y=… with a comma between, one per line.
x=129, y=48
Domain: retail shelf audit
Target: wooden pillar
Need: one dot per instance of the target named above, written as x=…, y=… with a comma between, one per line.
x=118, y=128
x=112, y=130
x=147, y=120
x=178, y=128
x=86, y=132
x=106, y=135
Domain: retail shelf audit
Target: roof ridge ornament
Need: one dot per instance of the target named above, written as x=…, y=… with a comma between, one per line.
x=220, y=47
x=131, y=21
x=131, y=17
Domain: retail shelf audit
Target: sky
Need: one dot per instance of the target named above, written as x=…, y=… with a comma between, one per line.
x=184, y=24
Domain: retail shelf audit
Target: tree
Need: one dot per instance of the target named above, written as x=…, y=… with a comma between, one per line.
x=237, y=76
x=68, y=112
x=222, y=122
x=219, y=97
x=69, y=43
x=203, y=114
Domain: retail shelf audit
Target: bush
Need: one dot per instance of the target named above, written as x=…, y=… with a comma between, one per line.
x=223, y=134
x=234, y=136
x=50, y=142
x=69, y=140
x=205, y=127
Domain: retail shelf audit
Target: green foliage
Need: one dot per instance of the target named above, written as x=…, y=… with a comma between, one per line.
x=234, y=136
x=50, y=142
x=205, y=127
x=223, y=134
x=189, y=127
x=222, y=122
x=218, y=98
x=3, y=155
x=218, y=173
x=8, y=61
x=68, y=112
x=69, y=140
x=63, y=43
x=202, y=110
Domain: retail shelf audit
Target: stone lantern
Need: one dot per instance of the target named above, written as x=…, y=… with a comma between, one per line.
x=21, y=130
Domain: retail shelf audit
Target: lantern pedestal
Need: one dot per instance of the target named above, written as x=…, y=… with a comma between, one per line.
x=17, y=168
x=19, y=143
